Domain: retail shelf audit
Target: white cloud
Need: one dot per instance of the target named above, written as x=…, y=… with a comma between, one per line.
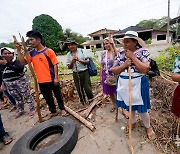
x=81, y=16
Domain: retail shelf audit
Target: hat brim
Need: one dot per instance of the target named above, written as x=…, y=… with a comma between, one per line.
x=140, y=41
x=70, y=43
x=9, y=49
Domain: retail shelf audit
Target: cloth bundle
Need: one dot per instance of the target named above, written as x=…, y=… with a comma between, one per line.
x=176, y=102
x=111, y=80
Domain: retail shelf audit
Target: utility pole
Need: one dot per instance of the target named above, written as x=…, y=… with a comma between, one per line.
x=177, y=23
x=168, y=21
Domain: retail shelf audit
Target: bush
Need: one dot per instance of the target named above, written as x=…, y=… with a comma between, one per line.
x=166, y=59
x=149, y=41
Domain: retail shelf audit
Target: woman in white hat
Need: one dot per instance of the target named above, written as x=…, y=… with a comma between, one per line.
x=14, y=79
x=137, y=57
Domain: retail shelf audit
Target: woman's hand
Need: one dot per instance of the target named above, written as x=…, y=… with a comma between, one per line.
x=3, y=62
x=128, y=62
x=129, y=54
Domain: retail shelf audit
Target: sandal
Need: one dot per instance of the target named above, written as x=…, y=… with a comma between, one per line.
x=125, y=114
x=32, y=112
x=113, y=109
x=53, y=114
x=13, y=108
x=20, y=113
x=7, y=139
x=132, y=127
x=63, y=113
x=151, y=135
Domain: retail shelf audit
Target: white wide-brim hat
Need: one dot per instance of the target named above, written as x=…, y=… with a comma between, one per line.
x=10, y=50
x=134, y=35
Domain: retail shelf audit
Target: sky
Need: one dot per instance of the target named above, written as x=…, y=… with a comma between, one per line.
x=81, y=16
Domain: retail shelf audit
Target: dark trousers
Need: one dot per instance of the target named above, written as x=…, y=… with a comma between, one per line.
x=83, y=83
x=46, y=90
x=1, y=96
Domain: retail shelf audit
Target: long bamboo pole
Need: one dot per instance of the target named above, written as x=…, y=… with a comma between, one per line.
x=34, y=76
x=130, y=110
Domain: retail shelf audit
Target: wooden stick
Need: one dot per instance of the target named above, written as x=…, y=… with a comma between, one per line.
x=171, y=81
x=130, y=110
x=116, y=116
x=165, y=73
x=84, y=121
x=87, y=112
x=34, y=76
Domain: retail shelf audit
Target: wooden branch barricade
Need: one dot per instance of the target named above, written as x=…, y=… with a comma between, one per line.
x=84, y=121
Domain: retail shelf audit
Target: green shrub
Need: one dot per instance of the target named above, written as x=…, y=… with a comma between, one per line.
x=96, y=62
x=166, y=59
x=62, y=67
x=149, y=41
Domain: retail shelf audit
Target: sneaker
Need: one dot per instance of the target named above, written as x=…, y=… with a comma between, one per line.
x=7, y=139
x=20, y=113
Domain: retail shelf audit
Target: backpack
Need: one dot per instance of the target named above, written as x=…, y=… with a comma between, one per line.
x=154, y=70
x=91, y=67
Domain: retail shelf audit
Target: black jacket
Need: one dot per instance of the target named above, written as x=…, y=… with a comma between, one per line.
x=12, y=71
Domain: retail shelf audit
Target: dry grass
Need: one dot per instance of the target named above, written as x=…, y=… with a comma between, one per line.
x=163, y=121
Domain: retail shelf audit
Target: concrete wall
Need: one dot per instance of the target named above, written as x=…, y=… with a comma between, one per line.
x=154, y=37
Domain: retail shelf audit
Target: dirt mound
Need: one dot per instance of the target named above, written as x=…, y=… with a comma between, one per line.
x=162, y=120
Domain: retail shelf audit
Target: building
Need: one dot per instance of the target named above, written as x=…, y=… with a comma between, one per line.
x=174, y=22
x=147, y=34
x=96, y=40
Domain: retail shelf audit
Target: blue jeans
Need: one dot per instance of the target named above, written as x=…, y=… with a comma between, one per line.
x=2, y=130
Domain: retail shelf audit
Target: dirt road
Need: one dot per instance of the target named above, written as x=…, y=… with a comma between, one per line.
x=109, y=136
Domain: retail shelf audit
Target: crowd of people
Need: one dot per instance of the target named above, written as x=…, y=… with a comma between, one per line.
x=134, y=59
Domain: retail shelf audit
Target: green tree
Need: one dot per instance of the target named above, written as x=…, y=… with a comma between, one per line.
x=160, y=22
x=50, y=29
x=9, y=45
x=153, y=23
x=146, y=23
x=76, y=36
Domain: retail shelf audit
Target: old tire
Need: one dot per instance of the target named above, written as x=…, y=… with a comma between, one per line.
x=64, y=145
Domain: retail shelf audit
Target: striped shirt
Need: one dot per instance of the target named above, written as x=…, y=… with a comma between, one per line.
x=13, y=71
x=142, y=54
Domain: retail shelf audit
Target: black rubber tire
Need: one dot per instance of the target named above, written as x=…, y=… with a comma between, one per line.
x=64, y=145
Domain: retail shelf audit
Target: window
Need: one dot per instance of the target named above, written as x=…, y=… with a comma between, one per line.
x=104, y=36
x=87, y=47
x=98, y=46
x=161, y=37
x=96, y=38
